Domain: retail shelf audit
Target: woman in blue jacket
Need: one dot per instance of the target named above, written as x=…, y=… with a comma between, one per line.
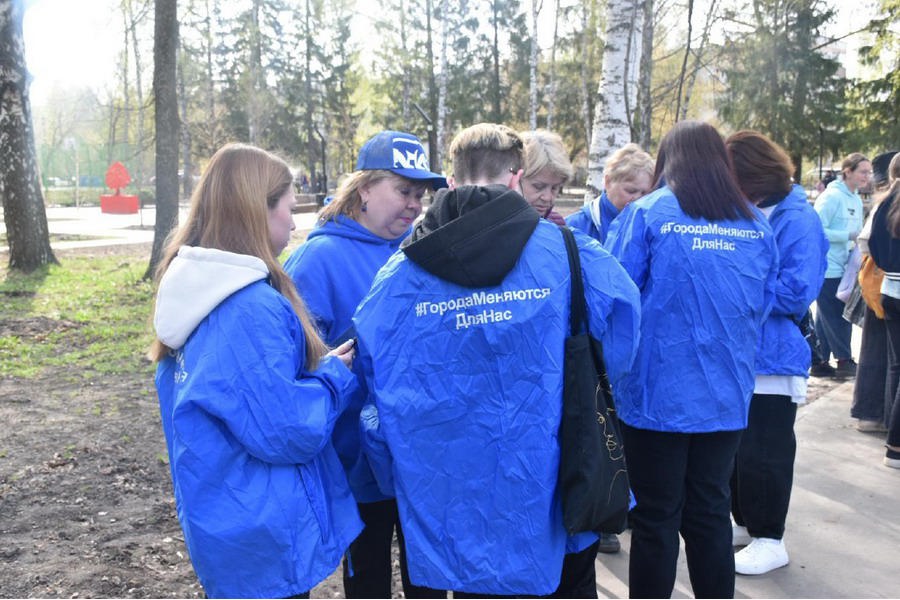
x=247, y=394
x=841, y=211
x=371, y=213
x=705, y=262
x=764, y=467
x=628, y=175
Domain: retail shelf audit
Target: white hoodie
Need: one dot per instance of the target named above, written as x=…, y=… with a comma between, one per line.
x=197, y=280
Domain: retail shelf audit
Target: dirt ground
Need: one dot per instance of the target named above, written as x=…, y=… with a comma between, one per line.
x=86, y=505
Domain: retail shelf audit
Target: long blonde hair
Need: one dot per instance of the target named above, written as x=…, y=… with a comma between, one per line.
x=229, y=211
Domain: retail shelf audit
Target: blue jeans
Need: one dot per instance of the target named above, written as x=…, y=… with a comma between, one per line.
x=832, y=329
x=681, y=484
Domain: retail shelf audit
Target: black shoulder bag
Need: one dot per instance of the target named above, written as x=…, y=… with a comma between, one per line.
x=593, y=480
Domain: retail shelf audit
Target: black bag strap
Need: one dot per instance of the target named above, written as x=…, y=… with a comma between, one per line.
x=577, y=308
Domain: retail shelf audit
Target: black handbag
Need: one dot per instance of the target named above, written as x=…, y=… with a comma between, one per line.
x=593, y=480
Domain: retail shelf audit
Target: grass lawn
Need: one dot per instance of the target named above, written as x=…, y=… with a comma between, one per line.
x=92, y=311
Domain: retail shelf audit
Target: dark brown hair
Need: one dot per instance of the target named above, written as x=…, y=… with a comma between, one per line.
x=762, y=167
x=693, y=162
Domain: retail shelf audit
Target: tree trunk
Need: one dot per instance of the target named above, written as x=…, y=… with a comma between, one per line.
x=23, y=202
x=433, y=152
x=586, y=114
x=551, y=93
x=442, y=85
x=496, y=115
x=699, y=58
x=645, y=104
x=532, y=68
x=684, y=62
x=165, y=48
x=611, y=128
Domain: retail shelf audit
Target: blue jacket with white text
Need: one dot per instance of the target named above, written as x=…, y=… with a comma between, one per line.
x=462, y=340
x=706, y=288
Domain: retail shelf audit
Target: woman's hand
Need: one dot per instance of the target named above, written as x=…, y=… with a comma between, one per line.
x=345, y=352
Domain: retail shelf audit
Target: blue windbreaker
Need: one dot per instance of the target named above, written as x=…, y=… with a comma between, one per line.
x=706, y=288
x=333, y=270
x=841, y=213
x=260, y=493
x=801, y=249
x=583, y=220
x=467, y=381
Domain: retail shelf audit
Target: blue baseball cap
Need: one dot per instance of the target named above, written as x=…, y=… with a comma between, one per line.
x=400, y=153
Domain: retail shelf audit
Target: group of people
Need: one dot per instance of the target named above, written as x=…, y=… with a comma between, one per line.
x=402, y=372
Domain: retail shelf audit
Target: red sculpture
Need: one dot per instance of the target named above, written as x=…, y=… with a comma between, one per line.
x=117, y=177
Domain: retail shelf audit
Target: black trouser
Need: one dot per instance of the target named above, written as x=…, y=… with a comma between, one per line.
x=892, y=391
x=578, y=578
x=681, y=484
x=869, y=400
x=764, y=467
x=370, y=556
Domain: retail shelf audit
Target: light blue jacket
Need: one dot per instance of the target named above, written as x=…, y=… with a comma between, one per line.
x=801, y=248
x=583, y=220
x=468, y=380
x=841, y=213
x=260, y=493
x=706, y=288
x=333, y=270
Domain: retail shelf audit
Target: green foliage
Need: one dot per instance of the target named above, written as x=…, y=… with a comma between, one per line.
x=875, y=103
x=90, y=314
x=779, y=82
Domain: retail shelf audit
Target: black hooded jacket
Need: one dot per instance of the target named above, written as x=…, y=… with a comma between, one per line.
x=472, y=235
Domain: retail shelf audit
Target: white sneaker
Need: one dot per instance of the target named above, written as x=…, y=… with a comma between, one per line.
x=739, y=535
x=761, y=556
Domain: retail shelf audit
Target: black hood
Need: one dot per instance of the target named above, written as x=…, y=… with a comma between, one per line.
x=472, y=235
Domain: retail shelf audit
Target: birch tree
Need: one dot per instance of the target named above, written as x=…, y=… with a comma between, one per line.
x=24, y=214
x=618, y=86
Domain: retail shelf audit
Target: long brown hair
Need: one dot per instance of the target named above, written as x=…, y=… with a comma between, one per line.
x=893, y=191
x=693, y=162
x=229, y=212
x=762, y=167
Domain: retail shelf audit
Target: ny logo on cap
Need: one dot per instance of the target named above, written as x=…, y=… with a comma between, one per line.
x=409, y=154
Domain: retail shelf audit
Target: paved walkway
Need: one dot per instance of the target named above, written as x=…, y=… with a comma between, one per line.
x=88, y=227
x=843, y=528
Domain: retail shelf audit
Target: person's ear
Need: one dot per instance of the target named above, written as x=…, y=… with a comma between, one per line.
x=451, y=182
x=606, y=181
x=514, y=180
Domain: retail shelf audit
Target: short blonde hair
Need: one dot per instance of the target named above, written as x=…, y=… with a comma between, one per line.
x=545, y=150
x=626, y=162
